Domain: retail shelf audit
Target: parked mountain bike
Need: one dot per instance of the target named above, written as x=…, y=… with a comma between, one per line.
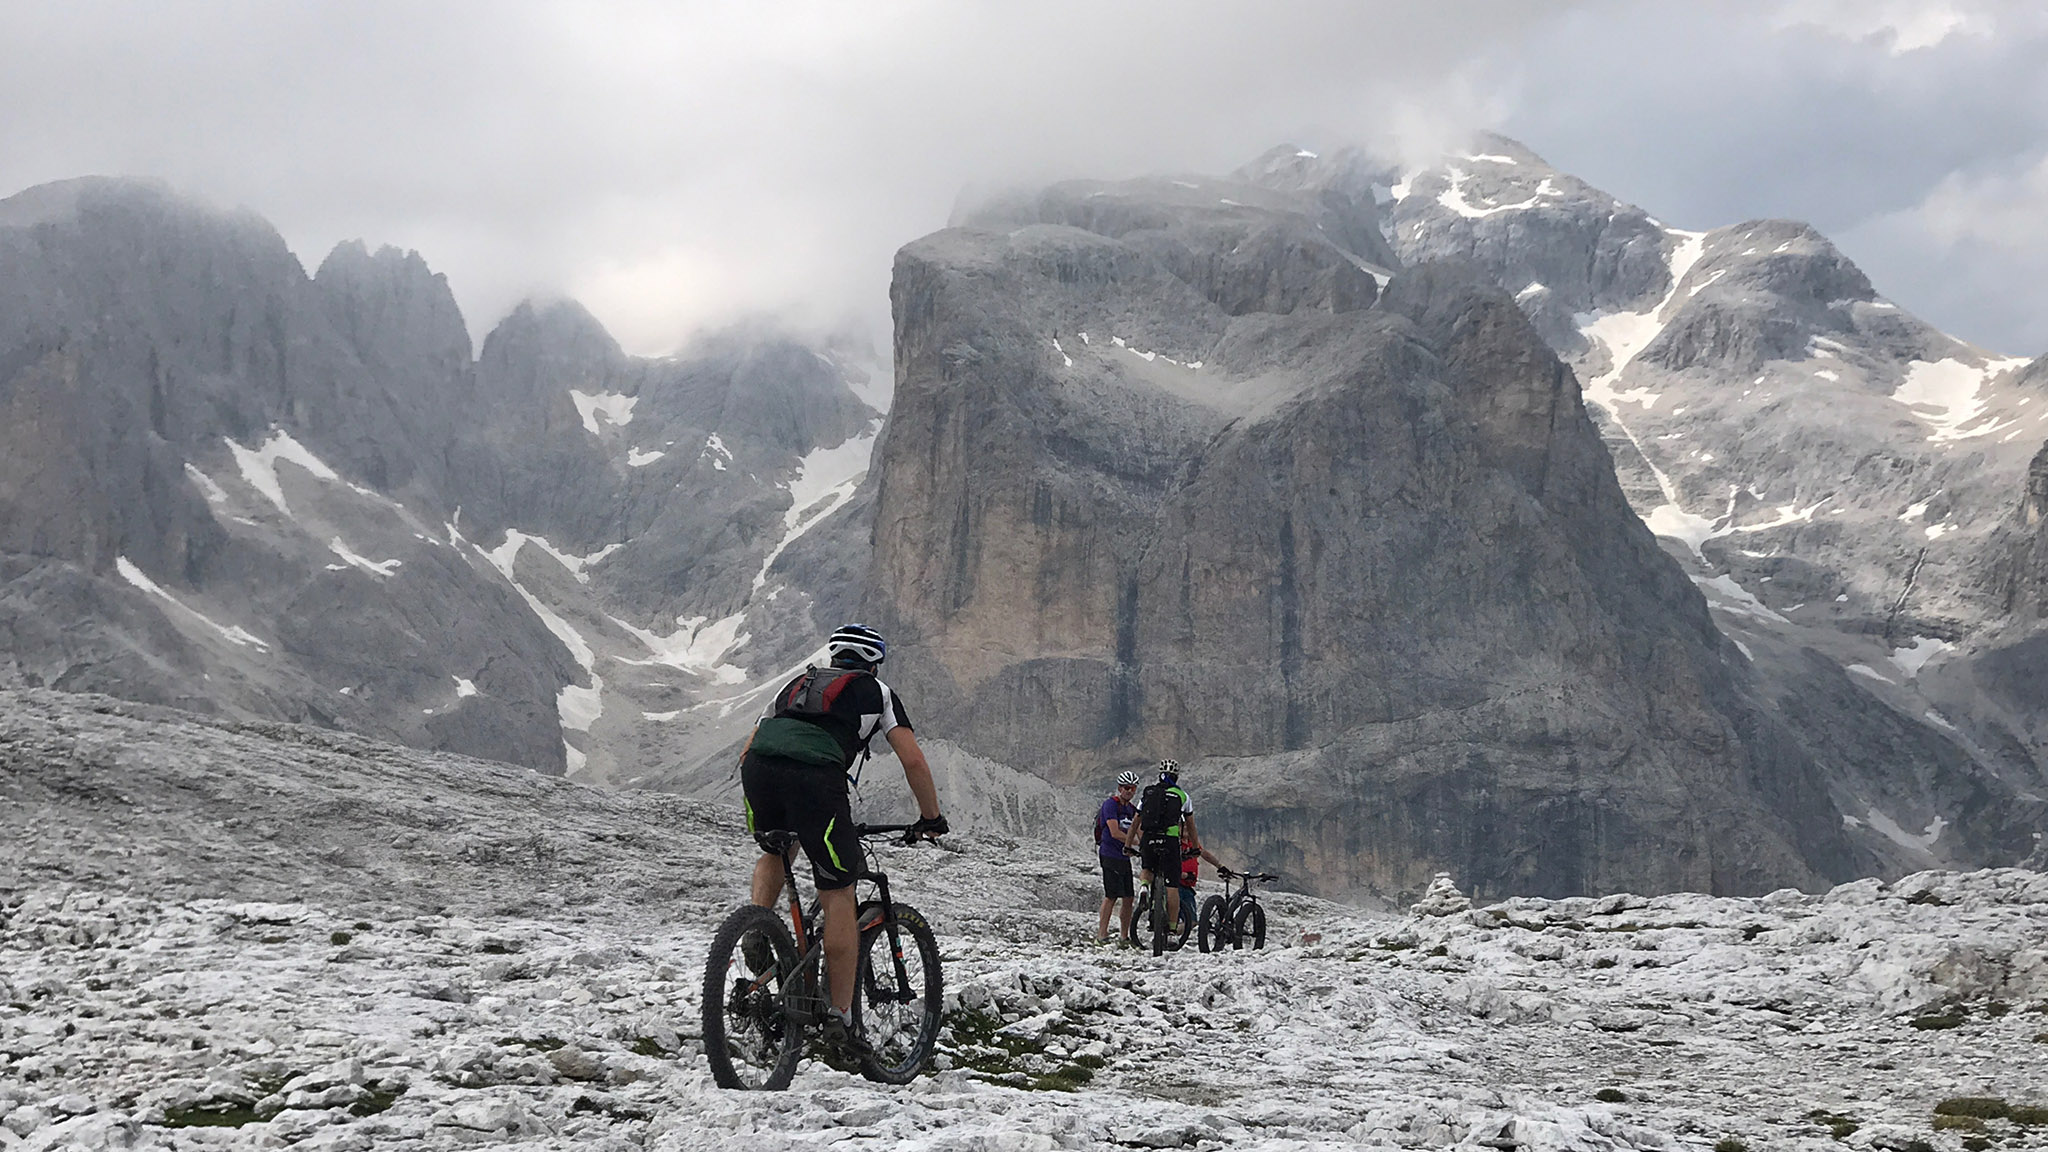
x=764, y=986
x=1176, y=936
x=1234, y=919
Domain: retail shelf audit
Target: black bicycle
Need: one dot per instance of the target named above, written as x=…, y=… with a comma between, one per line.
x=1176, y=936
x=764, y=987
x=1235, y=918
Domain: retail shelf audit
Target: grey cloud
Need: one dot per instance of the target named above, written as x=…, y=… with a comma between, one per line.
x=676, y=165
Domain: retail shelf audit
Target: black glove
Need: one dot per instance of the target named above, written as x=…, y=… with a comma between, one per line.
x=931, y=826
x=1223, y=872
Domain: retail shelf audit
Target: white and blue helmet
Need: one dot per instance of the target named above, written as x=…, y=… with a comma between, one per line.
x=859, y=641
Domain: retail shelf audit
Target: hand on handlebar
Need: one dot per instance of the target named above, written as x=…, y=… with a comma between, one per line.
x=1223, y=872
x=929, y=828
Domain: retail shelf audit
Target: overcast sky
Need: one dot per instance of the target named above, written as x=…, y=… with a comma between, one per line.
x=674, y=165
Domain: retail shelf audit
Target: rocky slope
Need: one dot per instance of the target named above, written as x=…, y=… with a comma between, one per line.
x=229, y=935
x=232, y=487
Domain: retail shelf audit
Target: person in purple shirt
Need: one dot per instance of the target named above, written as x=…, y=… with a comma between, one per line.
x=1112, y=821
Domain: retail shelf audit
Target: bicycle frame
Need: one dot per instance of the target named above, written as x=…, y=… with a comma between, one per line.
x=806, y=1003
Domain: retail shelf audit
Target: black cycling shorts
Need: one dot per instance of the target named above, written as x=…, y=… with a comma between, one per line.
x=1116, y=877
x=809, y=800
x=1161, y=857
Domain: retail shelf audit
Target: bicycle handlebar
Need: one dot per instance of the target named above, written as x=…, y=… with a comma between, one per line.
x=869, y=831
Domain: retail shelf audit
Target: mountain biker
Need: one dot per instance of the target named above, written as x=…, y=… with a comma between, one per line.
x=1157, y=836
x=794, y=774
x=1112, y=821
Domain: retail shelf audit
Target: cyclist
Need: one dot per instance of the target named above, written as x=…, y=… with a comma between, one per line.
x=794, y=774
x=1112, y=821
x=1163, y=810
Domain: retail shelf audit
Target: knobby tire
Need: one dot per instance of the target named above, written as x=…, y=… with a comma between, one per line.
x=898, y=1014
x=1213, y=929
x=748, y=1036
x=1251, y=926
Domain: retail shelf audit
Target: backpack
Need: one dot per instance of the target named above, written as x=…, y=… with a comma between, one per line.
x=1159, y=809
x=810, y=698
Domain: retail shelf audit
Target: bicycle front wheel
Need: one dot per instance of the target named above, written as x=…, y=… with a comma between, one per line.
x=748, y=1038
x=1251, y=926
x=896, y=1005
x=1157, y=917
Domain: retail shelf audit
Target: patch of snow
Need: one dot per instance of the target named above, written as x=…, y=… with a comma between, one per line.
x=212, y=491
x=464, y=688
x=1925, y=648
x=825, y=480
x=1400, y=191
x=1695, y=289
x=1453, y=198
x=1937, y=531
x=613, y=407
x=1534, y=286
x=635, y=458
x=574, y=758
x=378, y=568
x=1938, y=720
x=1914, y=512
x=1489, y=158
x=1874, y=674
x=1304, y=154
x=1904, y=839
x=259, y=465
x=580, y=707
x=503, y=556
x=1948, y=395
x=1735, y=598
x=140, y=579
x=1069, y=360
x=660, y=717
x=1744, y=649
x=695, y=646
x=1828, y=374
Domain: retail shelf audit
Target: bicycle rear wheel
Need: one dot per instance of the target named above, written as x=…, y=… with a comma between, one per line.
x=896, y=1008
x=1251, y=926
x=748, y=1038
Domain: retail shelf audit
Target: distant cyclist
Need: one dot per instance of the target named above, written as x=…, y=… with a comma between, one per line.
x=794, y=774
x=1112, y=823
x=1163, y=809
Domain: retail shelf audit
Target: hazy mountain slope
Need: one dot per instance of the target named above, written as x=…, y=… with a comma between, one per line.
x=232, y=487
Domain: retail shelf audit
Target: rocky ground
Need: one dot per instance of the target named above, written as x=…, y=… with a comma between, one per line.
x=222, y=935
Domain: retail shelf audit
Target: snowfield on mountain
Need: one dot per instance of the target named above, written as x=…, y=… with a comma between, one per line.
x=222, y=934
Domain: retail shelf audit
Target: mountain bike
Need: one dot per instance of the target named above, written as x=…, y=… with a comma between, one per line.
x=764, y=985
x=1141, y=919
x=1234, y=919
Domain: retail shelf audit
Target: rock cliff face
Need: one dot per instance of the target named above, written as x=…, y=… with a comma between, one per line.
x=1369, y=571
x=231, y=487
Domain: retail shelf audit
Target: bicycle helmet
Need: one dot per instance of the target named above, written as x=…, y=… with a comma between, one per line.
x=1127, y=779
x=1169, y=769
x=860, y=642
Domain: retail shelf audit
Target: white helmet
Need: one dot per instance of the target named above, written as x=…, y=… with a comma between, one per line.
x=1127, y=779
x=860, y=641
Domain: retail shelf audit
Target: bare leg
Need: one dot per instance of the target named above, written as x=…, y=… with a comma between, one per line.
x=1172, y=908
x=767, y=880
x=1102, y=924
x=842, y=943
x=1123, y=914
